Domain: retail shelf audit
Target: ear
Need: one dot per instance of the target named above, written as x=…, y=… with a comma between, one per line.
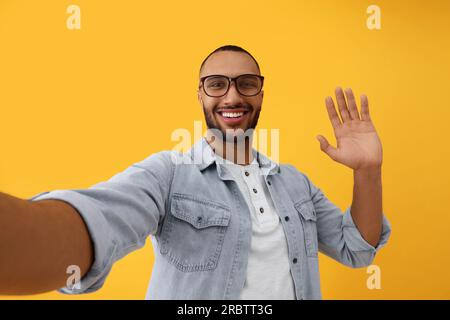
x=262, y=94
x=199, y=96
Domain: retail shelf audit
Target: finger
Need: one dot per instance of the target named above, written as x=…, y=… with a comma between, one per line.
x=343, y=111
x=326, y=147
x=332, y=114
x=365, y=116
x=354, y=114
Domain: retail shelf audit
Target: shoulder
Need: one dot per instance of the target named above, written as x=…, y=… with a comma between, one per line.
x=295, y=179
x=161, y=164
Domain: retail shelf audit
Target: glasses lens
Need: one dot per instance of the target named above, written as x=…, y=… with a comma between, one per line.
x=249, y=85
x=216, y=86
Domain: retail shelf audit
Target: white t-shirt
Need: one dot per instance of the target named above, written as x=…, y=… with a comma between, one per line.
x=268, y=271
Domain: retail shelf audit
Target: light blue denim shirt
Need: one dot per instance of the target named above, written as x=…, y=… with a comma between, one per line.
x=200, y=225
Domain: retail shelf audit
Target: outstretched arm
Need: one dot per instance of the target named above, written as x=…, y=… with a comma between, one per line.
x=38, y=241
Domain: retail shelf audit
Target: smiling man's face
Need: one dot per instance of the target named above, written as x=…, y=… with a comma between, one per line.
x=232, y=111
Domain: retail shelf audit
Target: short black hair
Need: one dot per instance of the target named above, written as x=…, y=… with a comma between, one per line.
x=230, y=47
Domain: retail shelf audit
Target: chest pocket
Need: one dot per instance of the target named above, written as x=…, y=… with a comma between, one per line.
x=309, y=223
x=193, y=232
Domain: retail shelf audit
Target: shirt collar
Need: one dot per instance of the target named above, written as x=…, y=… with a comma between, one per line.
x=203, y=156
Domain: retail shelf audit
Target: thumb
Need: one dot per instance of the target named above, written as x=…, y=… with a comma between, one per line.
x=326, y=147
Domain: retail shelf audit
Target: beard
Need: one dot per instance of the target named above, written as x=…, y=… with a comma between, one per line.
x=213, y=125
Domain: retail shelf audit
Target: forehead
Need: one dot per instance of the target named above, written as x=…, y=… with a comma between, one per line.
x=229, y=63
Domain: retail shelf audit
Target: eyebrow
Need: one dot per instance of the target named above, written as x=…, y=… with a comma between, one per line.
x=224, y=75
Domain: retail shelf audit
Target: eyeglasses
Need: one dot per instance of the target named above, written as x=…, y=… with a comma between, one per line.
x=217, y=85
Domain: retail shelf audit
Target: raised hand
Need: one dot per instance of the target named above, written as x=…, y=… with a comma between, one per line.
x=358, y=144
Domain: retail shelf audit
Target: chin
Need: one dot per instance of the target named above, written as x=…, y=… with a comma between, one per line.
x=233, y=133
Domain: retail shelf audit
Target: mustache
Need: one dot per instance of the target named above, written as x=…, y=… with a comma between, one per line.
x=246, y=108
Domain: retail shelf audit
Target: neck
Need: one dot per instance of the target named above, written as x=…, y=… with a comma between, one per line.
x=238, y=151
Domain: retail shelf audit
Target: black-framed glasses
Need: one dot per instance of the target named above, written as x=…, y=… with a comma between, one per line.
x=217, y=85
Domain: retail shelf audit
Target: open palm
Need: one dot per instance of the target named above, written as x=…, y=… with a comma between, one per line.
x=358, y=144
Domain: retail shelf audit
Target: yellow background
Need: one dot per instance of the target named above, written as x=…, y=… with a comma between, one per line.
x=78, y=106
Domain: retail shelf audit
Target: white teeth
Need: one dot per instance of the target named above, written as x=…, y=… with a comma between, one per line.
x=232, y=114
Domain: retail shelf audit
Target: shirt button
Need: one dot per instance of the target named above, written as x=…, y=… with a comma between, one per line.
x=255, y=191
x=294, y=260
x=269, y=183
x=247, y=173
x=286, y=218
x=261, y=210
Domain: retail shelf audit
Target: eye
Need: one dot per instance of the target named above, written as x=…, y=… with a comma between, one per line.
x=216, y=83
x=248, y=84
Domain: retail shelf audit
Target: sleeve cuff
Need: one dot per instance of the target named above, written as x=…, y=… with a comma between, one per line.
x=104, y=244
x=354, y=239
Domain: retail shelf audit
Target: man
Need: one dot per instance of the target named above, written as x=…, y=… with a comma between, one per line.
x=226, y=222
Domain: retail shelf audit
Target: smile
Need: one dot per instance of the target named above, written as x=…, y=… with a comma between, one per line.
x=232, y=114
x=232, y=117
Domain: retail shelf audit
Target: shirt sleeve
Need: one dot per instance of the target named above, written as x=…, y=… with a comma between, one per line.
x=338, y=236
x=119, y=213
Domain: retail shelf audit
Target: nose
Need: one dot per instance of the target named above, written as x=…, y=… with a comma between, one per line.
x=232, y=96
